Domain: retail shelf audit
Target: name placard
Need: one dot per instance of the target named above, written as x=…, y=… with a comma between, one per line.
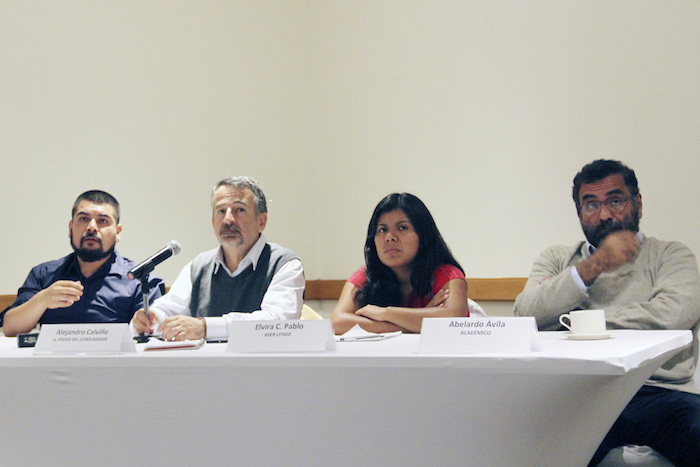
x=281, y=336
x=97, y=338
x=479, y=335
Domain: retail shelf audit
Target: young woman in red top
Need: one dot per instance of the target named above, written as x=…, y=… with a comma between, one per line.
x=409, y=273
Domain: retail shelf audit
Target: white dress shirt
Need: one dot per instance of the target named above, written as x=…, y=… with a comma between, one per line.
x=283, y=299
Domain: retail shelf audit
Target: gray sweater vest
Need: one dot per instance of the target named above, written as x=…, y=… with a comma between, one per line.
x=218, y=294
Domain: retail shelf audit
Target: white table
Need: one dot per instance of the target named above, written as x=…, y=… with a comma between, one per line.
x=369, y=403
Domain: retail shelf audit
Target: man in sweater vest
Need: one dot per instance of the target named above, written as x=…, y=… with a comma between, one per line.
x=641, y=283
x=245, y=278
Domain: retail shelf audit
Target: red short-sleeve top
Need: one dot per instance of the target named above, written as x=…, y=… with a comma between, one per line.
x=441, y=276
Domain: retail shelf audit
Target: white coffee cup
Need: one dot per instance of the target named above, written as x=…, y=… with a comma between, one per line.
x=584, y=321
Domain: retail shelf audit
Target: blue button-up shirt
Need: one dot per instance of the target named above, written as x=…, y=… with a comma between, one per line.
x=109, y=296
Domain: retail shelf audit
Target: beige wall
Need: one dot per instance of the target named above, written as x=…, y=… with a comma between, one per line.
x=154, y=102
x=485, y=110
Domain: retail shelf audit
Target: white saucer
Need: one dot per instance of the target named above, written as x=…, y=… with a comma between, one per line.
x=589, y=336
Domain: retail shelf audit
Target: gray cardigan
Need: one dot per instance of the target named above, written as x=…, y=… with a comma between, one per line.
x=659, y=290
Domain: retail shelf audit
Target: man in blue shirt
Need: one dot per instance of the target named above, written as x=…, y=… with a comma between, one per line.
x=88, y=286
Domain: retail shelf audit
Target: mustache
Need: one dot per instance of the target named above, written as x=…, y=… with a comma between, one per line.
x=229, y=228
x=91, y=236
x=607, y=227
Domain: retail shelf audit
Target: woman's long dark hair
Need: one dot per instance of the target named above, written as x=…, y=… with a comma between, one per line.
x=382, y=286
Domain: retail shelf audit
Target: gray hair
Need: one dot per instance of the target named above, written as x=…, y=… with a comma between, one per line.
x=239, y=183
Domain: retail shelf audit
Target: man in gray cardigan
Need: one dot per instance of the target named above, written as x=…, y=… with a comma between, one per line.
x=641, y=283
x=245, y=278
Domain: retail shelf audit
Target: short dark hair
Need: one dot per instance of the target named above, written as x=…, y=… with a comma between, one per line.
x=598, y=170
x=382, y=286
x=98, y=197
x=240, y=183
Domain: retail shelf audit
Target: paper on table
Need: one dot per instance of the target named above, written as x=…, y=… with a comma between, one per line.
x=157, y=344
x=357, y=334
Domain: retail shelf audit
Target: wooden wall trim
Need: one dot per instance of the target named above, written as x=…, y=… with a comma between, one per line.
x=497, y=289
x=323, y=289
x=6, y=300
x=485, y=290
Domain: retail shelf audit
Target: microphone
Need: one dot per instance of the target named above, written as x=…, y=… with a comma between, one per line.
x=147, y=265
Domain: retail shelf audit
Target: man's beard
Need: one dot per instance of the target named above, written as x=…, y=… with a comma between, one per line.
x=90, y=255
x=597, y=233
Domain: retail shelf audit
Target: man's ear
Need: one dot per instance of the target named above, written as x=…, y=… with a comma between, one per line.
x=262, y=221
x=639, y=199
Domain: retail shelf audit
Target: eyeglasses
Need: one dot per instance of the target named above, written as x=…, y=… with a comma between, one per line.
x=613, y=205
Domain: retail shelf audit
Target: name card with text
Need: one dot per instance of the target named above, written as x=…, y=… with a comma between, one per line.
x=478, y=335
x=98, y=338
x=281, y=336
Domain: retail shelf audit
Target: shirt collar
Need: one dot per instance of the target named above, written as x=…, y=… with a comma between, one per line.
x=591, y=249
x=251, y=258
x=112, y=266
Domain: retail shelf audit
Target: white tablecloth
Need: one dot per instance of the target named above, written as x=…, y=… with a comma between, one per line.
x=369, y=403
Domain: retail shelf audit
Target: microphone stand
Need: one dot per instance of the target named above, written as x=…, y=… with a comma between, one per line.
x=145, y=285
